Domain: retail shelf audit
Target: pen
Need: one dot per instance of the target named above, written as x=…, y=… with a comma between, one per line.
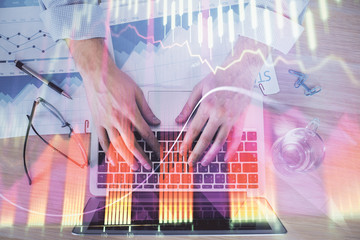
x=32, y=73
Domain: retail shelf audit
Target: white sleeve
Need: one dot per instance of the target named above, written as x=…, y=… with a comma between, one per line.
x=75, y=19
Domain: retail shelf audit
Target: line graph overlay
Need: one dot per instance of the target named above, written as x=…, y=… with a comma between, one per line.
x=23, y=36
x=16, y=101
x=192, y=50
x=176, y=59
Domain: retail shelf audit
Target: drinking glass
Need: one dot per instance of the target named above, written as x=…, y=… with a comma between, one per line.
x=300, y=150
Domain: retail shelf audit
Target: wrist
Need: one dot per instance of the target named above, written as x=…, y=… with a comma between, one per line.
x=248, y=58
x=93, y=61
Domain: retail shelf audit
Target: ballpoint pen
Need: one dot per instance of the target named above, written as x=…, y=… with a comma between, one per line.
x=34, y=74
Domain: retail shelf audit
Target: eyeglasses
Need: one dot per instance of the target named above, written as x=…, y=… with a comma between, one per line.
x=64, y=123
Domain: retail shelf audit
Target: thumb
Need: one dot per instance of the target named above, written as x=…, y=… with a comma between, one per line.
x=194, y=98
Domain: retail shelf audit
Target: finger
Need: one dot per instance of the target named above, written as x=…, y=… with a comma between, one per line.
x=143, y=128
x=205, y=139
x=235, y=137
x=135, y=149
x=235, y=140
x=103, y=138
x=118, y=144
x=111, y=155
x=216, y=146
x=194, y=130
x=131, y=144
x=145, y=110
x=144, y=160
x=194, y=98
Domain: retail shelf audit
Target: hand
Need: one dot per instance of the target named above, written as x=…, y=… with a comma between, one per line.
x=115, y=110
x=220, y=113
x=117, y=105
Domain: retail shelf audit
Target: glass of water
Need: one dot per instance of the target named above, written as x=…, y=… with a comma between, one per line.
x=300, y=150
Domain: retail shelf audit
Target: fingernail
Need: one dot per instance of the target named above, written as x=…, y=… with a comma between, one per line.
x=112, y=162
x=156, y=119
x=179, y=117
x=147, y=166
x=182, y=149
x=134, y=166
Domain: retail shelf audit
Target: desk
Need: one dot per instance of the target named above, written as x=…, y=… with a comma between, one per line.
x=324, y=204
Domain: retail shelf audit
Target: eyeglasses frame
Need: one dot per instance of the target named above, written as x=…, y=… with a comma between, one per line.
x=59, y=116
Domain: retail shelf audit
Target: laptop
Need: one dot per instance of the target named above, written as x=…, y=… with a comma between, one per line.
x=223, y=198
x=173, y=198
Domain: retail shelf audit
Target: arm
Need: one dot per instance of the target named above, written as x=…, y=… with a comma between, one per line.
x=117, y=104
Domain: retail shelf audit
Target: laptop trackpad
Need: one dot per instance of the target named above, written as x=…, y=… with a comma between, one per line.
x=167, y=105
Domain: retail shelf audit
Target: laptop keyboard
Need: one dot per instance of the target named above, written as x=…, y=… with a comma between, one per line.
x=241, y=172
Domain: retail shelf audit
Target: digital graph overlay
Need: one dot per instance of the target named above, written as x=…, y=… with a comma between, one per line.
x=23, y=37
x=222, y=22
x=324, y=62
x=178, y=48
x=131, y=46
x=17, y=95
x=19, y=42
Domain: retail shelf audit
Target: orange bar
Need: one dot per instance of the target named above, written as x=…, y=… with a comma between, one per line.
x=161, y=192
x=171, y=193
x=125, y=203
x=129, y=199
x=343, y=187
x=113, y=207
x=8, y=211
x=181, y=207
x=106, y=219
x=74, y=194
x=191, y=205
x=161, y=205
x=121, y=208
x=166, y=204
x=110, y=206
x=40, y=187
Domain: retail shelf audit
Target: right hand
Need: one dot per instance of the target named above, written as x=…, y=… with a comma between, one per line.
x=118, y=108
x=117, y=104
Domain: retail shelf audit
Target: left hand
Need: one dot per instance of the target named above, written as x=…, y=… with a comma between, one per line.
x=220, y=113
x=217, y=114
